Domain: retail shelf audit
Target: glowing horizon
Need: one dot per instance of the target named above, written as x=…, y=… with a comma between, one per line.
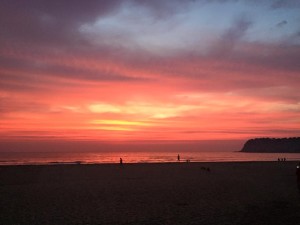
x=149, y=70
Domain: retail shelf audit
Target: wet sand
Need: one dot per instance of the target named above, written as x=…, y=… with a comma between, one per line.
x=173, y=193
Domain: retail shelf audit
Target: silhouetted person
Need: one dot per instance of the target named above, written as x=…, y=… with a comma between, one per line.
x=121, y=161
x=178, y=157
x=298, y=176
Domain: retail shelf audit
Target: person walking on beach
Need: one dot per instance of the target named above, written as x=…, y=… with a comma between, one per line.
x=298, y=176
x=121, y=161
x=178, y=157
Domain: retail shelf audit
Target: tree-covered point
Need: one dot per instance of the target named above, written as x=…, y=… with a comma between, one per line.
x=285, y=145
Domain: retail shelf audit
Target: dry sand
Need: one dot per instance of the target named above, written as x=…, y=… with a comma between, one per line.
x=174, y=193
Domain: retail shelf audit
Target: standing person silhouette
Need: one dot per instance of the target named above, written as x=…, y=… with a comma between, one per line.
x=298, y=176
x=121, y=161
x=178, y=157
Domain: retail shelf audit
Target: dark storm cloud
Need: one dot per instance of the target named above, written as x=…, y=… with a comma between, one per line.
x=37, y=28
x=57, y=22
x=51, y=22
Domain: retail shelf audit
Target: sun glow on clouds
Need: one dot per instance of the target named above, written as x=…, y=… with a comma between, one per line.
x=156, y=70
x=102, y=108
x=119, y=125
x=144, y=109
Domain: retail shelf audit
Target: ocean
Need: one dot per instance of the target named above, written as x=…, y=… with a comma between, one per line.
x=51, y=158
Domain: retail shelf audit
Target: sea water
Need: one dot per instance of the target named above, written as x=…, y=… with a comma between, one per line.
x=42, y=158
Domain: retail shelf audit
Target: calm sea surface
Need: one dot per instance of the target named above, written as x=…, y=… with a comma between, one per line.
x=40, y=158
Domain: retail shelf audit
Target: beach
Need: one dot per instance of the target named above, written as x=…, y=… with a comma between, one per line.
x=159, y=193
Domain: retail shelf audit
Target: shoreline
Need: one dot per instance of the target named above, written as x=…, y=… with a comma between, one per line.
x=141, y=157
x=146, y=163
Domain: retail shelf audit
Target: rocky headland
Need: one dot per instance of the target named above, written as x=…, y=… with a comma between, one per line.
x=272, y=145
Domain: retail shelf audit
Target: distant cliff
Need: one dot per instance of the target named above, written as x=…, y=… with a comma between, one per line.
x=273, y=145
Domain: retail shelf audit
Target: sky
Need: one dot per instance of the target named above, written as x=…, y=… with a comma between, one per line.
x=133, y=70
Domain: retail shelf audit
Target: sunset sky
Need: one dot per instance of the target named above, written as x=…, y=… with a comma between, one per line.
x=118, y=70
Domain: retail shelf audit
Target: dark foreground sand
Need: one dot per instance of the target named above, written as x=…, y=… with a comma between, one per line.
x=178, y=193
